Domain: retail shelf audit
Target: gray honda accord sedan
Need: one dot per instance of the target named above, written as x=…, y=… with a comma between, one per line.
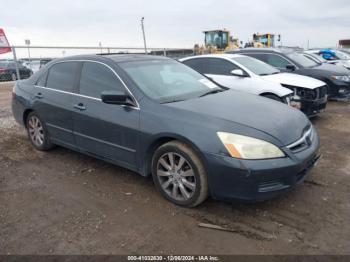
x=158, y=117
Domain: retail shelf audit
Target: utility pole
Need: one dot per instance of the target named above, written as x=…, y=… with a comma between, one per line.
x=143, y=33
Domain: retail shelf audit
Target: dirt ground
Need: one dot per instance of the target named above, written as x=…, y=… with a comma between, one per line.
x=63, y=202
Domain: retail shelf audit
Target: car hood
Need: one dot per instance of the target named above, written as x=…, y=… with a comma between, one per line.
x=294, y=80
x=276, y=119
x=327, y=70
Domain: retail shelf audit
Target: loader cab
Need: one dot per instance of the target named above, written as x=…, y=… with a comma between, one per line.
x=217, y=38
x=264, y=40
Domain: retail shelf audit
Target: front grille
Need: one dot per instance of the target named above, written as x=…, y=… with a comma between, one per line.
x=304, y=142
x=309, y=94
x=322, y=91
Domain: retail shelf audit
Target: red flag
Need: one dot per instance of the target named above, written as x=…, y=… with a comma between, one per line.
x=4, y=44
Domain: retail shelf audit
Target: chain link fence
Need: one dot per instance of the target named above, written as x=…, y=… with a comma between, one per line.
x=26, y=60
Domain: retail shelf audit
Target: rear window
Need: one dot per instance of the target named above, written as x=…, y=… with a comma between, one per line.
x=62, y=76
x=42, y=79
x=3, y=64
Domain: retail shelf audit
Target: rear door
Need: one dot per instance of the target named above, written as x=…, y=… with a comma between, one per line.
x=274, y=60
x=105, y=130
x=53, y=99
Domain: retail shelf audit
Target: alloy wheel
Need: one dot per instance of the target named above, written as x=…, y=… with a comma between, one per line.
x=36, y=131
x=176, y=176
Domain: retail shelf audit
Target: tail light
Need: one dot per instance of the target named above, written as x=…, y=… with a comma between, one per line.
x=3, y=70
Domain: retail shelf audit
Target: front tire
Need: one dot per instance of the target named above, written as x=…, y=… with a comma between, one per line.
x=179, y=175
x=37, y=132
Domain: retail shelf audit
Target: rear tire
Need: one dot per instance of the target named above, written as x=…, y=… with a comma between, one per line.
x=37, y=132
x=273, y=97
x=179, y=174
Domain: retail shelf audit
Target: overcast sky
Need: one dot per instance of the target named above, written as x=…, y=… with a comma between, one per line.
x=172, y=23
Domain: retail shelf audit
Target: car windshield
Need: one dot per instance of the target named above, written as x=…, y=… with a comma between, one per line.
x=168, y=81
x=315, y=58
x=342, y=55
x=301, y=60
x=256, y=66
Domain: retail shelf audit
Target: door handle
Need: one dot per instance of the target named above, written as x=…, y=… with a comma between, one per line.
x=80, y=106
x=39, y=95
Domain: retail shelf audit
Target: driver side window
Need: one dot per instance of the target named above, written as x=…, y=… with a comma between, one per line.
x=219, y=66
x=96, y=78
x=277, y=61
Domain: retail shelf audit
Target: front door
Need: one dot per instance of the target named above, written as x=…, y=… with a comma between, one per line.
x=219, y=70
x=105, y=130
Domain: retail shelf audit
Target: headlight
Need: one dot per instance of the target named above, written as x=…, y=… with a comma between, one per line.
x=295, y=102
x=341, y=78
x=245, y=147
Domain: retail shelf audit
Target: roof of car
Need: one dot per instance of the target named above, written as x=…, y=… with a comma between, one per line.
x=263, y=50
x=118, y=58
x=229, y=56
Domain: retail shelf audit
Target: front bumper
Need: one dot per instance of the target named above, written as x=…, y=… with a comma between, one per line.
x=232, y=179
x=339, y=91
x=313, y=107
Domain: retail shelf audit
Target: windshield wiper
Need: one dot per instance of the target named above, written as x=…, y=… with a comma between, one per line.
x=212, y=92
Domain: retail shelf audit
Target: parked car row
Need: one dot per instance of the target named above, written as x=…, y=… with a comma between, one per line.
x=337, y=57
x=35, y=64
x=159, y=117
x=337, y=78
x=8, y=71
x=247, y=74
x=26, y=68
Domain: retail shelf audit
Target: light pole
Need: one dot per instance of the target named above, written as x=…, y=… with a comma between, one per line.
x=143, y=33
x=27, y=42
x=100, y=45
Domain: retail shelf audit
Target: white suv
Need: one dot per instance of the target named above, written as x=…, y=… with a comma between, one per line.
x=250, y=75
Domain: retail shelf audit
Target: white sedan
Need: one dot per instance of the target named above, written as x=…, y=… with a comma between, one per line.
x=250, y=75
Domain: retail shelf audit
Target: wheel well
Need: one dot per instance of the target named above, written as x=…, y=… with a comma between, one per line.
x=25, y=116
x=161, y=141
x=151, y=149
x=268, y=93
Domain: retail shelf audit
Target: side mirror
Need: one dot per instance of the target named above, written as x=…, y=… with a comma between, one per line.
x=290, y=67
x=117, y=98
x=238, y=72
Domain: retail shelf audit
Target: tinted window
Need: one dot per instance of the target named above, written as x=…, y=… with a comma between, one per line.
x=197, y=64
x=277, y=61
x=301, y=60
x=96, y=78
x=62, y=76
x=219, y=66
x=261, y=57
x=42, y=79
